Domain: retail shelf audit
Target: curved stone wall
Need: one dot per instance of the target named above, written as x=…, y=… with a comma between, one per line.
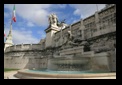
x=25, y=56
x=24, y=47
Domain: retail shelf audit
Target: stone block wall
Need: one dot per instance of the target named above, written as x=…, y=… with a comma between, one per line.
x=100, y=62
x=25, y=59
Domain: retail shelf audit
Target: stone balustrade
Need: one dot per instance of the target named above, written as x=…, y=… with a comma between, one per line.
x=105, y=31
x=24, y=47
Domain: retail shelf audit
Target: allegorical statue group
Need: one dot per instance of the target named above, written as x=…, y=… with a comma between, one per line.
x=53, y=21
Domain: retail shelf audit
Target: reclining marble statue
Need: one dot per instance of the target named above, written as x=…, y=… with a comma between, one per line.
x=74, y=41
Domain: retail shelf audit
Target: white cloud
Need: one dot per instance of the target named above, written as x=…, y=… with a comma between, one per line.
x=22, y=28
x=85, y=10
x=21, y=23
x=77, y=11
x=34, y=13
x=38, y=13
x=30, y=24
x=22, y=36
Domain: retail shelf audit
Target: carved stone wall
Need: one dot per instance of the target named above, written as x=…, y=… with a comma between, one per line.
x=106, y=22
x=104, y=44
x=26, y=59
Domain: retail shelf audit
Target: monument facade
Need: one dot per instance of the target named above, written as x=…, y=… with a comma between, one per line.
x=88, y=44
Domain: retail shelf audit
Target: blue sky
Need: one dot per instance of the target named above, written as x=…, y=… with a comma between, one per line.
x=32, y=19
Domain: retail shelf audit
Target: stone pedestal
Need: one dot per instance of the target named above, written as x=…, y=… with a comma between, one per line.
x=70, y=51
x=49, y=35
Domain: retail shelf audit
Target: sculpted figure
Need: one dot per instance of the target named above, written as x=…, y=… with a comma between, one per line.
x=53, y=20
x=70, y=39
x=50, y=19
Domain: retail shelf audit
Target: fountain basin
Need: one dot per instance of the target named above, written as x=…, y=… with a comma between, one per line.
x=34, y=74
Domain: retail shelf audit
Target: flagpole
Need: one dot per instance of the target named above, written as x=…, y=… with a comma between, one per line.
x=11, y=19
x=4, y=30
x=11, y=22
x=12, y=16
